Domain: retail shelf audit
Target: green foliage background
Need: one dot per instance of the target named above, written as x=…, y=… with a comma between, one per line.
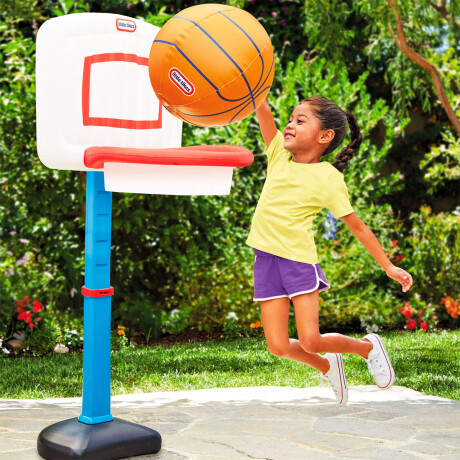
x=187, y=255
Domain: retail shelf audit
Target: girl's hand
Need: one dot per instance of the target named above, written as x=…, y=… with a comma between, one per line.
x=398, y=274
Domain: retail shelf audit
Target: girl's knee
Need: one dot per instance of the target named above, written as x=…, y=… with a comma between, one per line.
x=311, y=343
x=278, y=348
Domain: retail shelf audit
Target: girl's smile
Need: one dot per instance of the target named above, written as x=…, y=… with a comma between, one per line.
x=303, y=135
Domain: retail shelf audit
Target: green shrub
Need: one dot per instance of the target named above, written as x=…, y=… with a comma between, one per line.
x=71, y=338
x=117, y=342
x=23, y=274
x=42, y=340
x=433, y=249
x=139, y=315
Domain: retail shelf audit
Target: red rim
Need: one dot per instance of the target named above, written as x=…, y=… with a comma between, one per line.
x=199, y=155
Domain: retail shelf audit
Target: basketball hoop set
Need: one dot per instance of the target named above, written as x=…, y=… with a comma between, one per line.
x=97, y=112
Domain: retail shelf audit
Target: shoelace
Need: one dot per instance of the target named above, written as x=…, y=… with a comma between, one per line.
x=375, y=368
x=324, y=378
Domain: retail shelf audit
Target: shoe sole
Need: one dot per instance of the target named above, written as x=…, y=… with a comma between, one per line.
x=392, y=372
x=343, y=380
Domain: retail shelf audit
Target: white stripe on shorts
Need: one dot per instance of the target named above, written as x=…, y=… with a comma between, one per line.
x=270, y=298
x=318, y=279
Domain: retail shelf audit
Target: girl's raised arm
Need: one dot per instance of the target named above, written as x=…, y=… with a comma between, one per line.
x=267, y=125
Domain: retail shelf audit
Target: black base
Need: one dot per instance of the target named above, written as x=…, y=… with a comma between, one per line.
x=71, y=439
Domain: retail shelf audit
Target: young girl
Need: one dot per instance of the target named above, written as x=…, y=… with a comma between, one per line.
x=298, y=186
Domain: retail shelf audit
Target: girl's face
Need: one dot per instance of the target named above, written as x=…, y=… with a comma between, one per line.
x=303, y=135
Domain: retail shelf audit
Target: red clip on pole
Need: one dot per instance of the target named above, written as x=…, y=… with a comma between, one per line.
x=97, y=292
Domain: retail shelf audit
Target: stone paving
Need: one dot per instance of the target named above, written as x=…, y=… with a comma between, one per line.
x=276, y=423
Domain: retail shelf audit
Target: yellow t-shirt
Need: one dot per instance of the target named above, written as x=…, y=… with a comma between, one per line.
x=292, y=196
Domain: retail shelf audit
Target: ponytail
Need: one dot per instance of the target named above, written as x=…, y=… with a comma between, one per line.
x=331, y=116
x=341, y=159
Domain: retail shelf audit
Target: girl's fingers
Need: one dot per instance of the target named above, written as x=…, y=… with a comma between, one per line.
x=407, y=282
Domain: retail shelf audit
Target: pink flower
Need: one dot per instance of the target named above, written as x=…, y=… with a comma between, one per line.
x=274, y=14
x=285, y=9
x=401, y=176
x=426, y=45
x=283, y=22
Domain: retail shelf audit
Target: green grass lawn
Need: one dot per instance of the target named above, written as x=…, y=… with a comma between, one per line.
x=428, y=363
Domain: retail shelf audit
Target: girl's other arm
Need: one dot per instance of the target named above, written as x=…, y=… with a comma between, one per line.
x=370, y=242
x=267, y=125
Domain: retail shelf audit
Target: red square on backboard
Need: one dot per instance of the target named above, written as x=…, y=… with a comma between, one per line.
x=86, y=88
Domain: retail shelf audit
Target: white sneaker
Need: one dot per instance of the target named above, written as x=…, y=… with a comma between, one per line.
x=379, y=364
x=335, y=376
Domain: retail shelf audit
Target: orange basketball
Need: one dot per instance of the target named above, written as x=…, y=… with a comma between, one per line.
x=211, y=65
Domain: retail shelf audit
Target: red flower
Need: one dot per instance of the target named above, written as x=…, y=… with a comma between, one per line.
x=21, y=316
x=394, y=243
x=37, y=306
x=38, y=319
x=27, y=317
x=407, y=312
x=424, y=326
x=31, y=325
x=398, y=258
x=411, y=324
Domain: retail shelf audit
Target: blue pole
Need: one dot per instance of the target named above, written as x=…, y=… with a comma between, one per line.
x=96, y=316
x=88, y=436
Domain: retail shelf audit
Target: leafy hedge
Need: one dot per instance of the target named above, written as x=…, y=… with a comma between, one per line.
x=181, y=261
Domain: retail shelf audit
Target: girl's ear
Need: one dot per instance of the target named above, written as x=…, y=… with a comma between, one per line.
x=326, y=136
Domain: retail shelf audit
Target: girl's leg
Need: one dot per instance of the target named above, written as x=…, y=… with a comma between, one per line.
x=306, y=312
x=275, y=317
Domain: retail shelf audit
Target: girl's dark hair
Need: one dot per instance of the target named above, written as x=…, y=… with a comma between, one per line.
x=331, y=116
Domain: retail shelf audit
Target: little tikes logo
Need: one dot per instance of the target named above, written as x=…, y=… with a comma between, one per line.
x=180, y=80
x=126, y=25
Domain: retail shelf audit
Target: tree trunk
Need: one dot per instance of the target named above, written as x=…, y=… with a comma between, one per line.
x=400, y=40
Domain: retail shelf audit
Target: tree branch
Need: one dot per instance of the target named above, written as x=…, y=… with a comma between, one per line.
x=441, y=8
x=400, y=40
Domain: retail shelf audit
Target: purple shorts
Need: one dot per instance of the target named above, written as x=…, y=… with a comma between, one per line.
x=276, y=277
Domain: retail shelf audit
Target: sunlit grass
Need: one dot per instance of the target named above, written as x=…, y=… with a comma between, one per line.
x=428, y=363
